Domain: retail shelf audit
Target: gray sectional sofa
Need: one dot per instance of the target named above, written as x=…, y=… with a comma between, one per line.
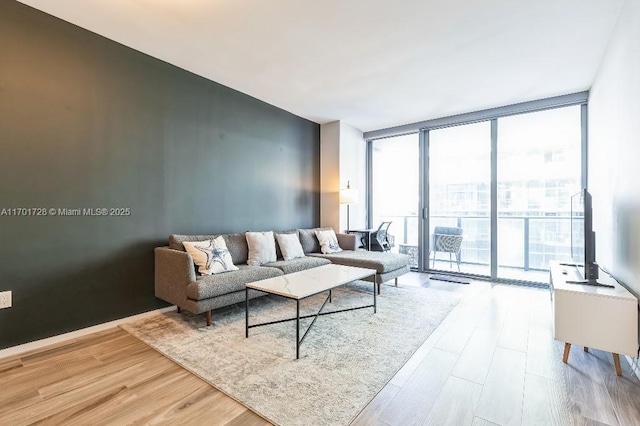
x=177, y=282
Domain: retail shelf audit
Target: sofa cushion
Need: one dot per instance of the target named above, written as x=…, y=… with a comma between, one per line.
x=236, y=244
x=380, y=261
x=299, y=264
x=208, y=286
x=309, y=240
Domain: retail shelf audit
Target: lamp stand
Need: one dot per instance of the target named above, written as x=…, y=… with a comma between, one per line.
x=347, y=217
x=348, y=196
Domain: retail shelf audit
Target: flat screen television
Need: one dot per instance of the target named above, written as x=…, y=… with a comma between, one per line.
x=583, y=239
x=577, y=229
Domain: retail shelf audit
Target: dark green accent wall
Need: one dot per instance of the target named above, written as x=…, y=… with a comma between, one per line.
x=88, y=123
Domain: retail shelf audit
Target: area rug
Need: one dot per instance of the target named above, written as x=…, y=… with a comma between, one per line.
x=451, y=279
x=346, y=359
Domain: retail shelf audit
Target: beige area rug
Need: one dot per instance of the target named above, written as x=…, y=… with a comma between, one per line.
x=346, y=359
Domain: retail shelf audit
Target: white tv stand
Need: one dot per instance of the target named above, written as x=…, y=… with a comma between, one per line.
x=593, y=317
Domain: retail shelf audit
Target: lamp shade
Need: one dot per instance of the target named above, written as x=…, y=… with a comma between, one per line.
x=348, y=195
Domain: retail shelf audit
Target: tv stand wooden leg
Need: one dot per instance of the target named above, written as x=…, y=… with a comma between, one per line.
x=565, y=356
x=616, y=363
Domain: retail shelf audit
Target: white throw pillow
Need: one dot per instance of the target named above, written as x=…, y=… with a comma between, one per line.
x=211, y=256
x=262, y=248
x=290, y=246
x=328, y=241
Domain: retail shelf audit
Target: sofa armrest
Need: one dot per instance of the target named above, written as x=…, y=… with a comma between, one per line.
x=174, y=270
x=347, y=241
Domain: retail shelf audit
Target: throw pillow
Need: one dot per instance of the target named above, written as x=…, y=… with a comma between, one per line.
x=309, y=241
x=262, y=248
x=290, y=246
x=211, y=256
x=328, y=241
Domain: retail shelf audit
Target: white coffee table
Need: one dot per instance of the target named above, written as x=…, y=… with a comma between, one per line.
x=303, y=284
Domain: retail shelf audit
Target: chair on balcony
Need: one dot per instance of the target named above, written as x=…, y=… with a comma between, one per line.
x=448, y=240
x=380, y=238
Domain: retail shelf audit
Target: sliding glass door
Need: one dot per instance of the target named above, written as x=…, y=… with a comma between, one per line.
x=459, y=175
x=396, y=191
x=539, y=168
x=487, y=198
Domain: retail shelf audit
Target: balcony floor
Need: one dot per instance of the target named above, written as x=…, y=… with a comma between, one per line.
x=517, y=274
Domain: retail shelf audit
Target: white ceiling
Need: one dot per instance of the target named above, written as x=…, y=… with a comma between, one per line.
x=371, y=63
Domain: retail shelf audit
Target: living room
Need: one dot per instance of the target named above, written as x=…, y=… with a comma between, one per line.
x=121, y=106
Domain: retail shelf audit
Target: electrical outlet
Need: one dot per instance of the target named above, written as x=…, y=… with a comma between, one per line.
x=5, y=299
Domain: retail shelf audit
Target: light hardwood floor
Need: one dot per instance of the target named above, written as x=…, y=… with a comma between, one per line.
x=492, y=361
x=110, y=378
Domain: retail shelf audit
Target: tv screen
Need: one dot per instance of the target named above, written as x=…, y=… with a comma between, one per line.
x=583, y=239
x=577, y=227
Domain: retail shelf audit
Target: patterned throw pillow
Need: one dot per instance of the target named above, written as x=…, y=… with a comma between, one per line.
x=328, y=241
x=262, y=248
x=290, y=246
x=211, y=256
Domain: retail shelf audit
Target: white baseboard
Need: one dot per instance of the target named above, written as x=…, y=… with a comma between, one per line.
x=633, y=362
x=15, y=350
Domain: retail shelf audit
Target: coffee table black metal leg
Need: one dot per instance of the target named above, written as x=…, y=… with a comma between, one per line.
x=246, y=311
x=297, y=329
x=374, y=295
x=299, y=341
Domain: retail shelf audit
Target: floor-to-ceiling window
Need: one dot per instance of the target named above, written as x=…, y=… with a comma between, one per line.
x=396, y=190
x=459, y=171
x=539, y=168
x=504, y=181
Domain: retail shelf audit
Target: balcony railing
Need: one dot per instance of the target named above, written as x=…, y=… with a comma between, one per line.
x=524, y=242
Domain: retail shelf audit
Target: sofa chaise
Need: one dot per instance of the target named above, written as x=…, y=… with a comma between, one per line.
x=177, y=282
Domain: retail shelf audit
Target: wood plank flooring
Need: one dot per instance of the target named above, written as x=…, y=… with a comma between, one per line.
x=492, y=361
x=507, y=369
x=109, y=378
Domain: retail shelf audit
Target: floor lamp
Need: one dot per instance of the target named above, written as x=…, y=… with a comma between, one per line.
x=348, y=196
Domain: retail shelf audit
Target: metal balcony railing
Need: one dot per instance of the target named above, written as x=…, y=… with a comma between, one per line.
x=524, y=242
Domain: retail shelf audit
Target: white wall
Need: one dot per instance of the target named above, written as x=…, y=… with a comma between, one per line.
x=342, y=159
x=353, y=159
x=614, y=150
